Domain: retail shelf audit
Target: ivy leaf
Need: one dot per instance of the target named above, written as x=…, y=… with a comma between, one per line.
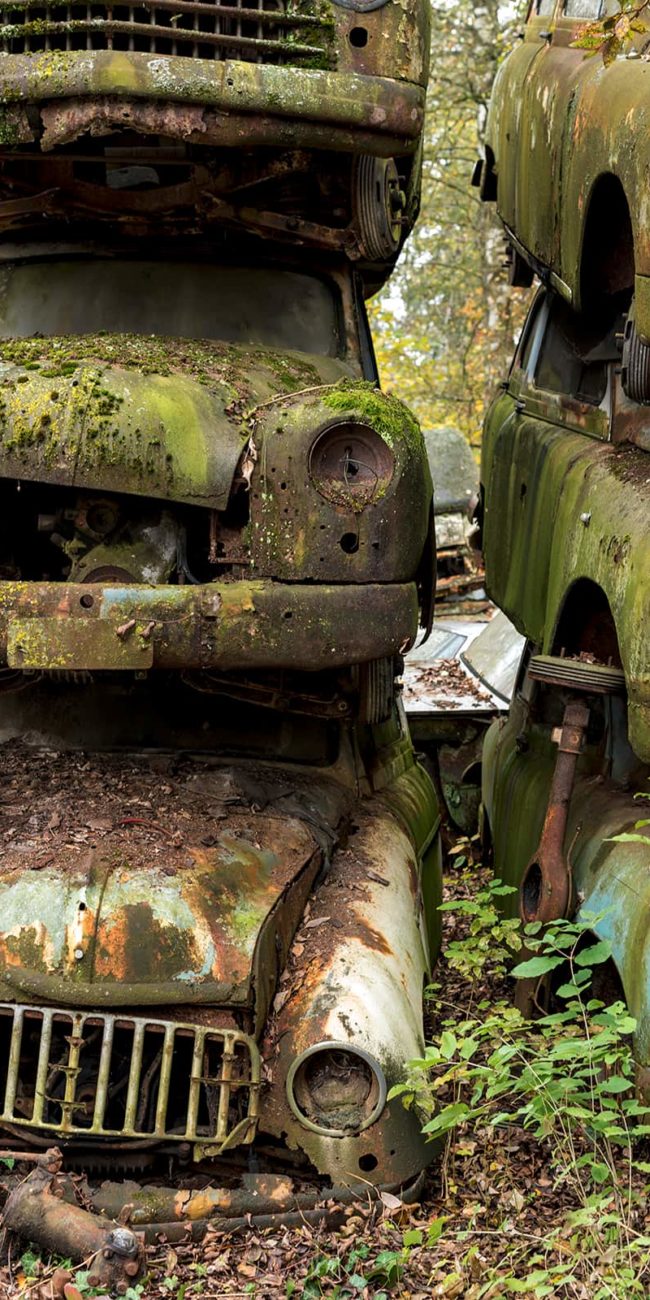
x=535, y=967
x=593, y=956
x=448, y=1045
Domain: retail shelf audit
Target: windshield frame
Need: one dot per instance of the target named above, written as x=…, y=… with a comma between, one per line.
x=345, y=314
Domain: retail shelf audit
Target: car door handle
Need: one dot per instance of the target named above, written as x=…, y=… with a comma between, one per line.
x=546, y=36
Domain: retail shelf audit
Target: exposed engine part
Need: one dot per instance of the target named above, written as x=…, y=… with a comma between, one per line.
x=635, y=367
x=577, y=675
x=546, y=886
x=36, y=1211
x=379, y=205
x=545, y=892
x=139, y=552
x=55, y=533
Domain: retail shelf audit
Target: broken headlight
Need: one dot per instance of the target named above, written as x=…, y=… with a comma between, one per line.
x=336, y=1089
x=349, y=462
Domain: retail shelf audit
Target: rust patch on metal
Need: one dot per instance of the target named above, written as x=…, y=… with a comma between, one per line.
x=545, y=893
x=37, y=1213
x=166, y=906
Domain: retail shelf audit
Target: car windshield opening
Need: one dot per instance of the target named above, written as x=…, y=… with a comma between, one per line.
x=264, y=306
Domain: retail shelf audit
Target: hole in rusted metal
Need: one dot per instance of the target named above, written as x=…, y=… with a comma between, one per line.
x=349, y=543
x=87, y=601
x=359, y=37
x=336, y=1090
x=368, y=1163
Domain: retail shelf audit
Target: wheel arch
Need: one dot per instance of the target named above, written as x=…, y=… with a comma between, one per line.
x=606, y=255
x=585, y=623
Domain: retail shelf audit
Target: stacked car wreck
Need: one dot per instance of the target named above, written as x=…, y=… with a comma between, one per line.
x=219, y=856
x=565, y=490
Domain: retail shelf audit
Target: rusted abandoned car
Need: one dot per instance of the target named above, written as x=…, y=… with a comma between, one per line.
x=456, y=493
x=220, y=859
x=564, y=508
x=454, y=686
x=301, y=121
x=566, y=158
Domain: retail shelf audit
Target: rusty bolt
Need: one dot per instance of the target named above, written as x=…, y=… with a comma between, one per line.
x=125, y=629
x=132, y=1267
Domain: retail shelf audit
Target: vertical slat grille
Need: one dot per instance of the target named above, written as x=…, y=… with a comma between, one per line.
x=84, y=1073
x=292, y=32
x=13, y=1062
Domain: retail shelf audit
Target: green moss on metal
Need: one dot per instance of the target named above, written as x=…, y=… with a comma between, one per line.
x=12, y=125
x=35, y=415
x=386, y=414
x=209, y=362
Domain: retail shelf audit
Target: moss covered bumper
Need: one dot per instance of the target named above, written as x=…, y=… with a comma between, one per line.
x=236, y=625
x=263, y=103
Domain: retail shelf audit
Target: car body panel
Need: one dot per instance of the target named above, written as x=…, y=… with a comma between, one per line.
x=612, y=880
x=559, y=122
x=561, y=506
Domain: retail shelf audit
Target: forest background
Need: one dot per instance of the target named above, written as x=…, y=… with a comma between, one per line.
x=446, y=325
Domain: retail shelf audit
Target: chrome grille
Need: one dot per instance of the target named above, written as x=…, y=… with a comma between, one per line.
x=80, y=1073
x=257, y=31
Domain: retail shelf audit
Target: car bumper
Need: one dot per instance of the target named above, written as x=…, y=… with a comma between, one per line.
x=238, y=625
x=265, y=104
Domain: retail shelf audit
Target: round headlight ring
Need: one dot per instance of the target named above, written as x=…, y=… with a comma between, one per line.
x=350, y=463
x=319, y=1070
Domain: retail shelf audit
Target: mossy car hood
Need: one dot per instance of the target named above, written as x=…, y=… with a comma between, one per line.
x=120, y=927
x=151, y=416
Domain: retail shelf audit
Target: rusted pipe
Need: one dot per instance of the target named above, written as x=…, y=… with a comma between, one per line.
x=545, y=890
x=330, y=1216
x=230, y=1211
x=36, y=1212
x=259, y=1197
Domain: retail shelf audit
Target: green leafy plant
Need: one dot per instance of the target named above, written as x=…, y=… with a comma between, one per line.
x=566, y=1077
x=489, y=936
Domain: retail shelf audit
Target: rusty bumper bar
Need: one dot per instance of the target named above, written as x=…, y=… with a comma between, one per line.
x=43, y=1208
x=240, y=625
x=327, y=106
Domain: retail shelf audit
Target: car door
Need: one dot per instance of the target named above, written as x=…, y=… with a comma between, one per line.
x=558, y=397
